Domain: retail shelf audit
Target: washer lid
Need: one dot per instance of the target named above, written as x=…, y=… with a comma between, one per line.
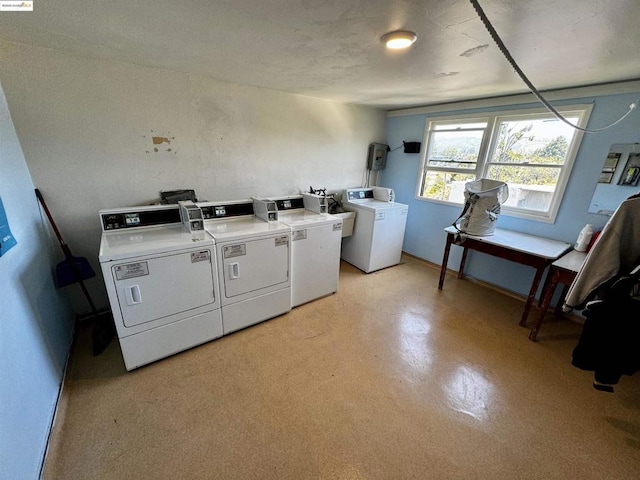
x=301, y=217
x=243, y=227
x=372, y=204
x=119, y=244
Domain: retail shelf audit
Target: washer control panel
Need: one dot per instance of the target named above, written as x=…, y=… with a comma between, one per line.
x=120, y=219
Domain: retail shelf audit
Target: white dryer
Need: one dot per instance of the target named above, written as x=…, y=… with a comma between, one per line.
x=254, y=263
x=378, y=232
x=161, y=280
x=315, y=249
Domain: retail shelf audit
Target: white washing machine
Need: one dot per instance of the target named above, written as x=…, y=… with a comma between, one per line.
x=315, y=249
x=162, y=282
x=254, y=262
x=378, y=232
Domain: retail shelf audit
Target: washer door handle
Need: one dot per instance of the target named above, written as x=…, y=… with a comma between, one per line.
x=234, y=270
x=133, y=295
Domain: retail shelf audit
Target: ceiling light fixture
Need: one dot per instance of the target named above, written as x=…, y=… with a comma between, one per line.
x=399, y=39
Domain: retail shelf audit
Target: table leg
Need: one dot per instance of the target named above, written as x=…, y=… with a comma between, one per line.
x=558, y=311
x=445, y=259
x=547, y=294
x=532, y=295
x=463, y=261
x=544, y=287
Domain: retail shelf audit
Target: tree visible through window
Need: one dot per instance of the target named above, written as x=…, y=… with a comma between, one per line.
x=531, y=151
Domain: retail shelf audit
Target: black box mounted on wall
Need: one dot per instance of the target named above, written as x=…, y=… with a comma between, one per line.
x=411, y=147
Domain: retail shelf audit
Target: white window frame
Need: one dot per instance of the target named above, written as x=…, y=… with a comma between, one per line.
x=489, y=144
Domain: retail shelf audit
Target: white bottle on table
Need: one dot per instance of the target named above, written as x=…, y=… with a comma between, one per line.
x=584, y=238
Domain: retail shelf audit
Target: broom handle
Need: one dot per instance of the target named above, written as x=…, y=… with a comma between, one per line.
x=66, y=250
x=67, y=253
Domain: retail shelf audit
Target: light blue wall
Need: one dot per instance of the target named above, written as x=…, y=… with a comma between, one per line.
x=424, y=236
x=36, y=323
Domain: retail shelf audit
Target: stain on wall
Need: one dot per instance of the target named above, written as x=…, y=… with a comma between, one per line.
x=161, y=141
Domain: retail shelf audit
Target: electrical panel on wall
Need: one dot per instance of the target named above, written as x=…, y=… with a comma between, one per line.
x=377, y=156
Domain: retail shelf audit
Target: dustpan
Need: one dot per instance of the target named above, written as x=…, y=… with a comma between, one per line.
x=72, y=269
x=66, y=271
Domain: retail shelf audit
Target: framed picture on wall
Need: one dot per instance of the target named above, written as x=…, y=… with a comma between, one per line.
x=609, y=167
x=605, y=177
x=631, y=173
x=611, y=162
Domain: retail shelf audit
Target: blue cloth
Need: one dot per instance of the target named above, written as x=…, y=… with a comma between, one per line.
x=7, y=241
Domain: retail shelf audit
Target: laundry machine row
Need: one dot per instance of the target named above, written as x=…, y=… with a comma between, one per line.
x=175, y=283
x=181, y=275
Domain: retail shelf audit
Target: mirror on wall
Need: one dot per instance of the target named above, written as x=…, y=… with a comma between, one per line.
x=619, y=179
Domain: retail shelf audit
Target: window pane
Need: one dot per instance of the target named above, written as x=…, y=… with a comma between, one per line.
x=460, y=126
x=541, y=141
x=455, y=149
x=529, y=149
x=530, y=188
x=445, y=186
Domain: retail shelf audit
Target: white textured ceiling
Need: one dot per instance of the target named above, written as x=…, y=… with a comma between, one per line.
x=331, y=49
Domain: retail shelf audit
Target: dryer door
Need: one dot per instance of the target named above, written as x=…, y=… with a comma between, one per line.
x=254, y=265
x=152, y=288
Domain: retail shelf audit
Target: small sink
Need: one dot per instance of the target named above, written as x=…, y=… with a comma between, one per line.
x=348, y=219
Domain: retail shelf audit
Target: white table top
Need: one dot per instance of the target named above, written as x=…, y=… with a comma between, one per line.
x=520, y=242
x=572, y=261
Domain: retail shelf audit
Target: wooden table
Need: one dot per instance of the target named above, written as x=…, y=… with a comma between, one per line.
x=536, y=252
x=563, y=270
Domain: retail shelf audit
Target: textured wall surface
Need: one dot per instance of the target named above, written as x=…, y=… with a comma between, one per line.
x=99, y=134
